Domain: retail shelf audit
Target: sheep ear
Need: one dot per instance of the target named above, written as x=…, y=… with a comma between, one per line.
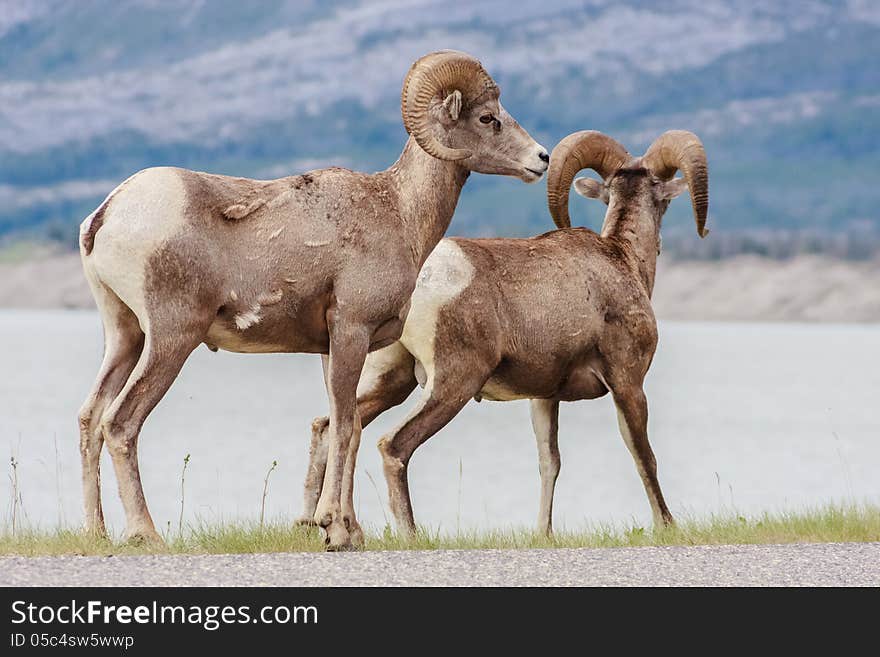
x=591, y=189
x=672, y=188
x=453, y=104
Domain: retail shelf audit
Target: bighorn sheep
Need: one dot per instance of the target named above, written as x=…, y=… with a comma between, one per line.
x=323, y=262
x=562, y=316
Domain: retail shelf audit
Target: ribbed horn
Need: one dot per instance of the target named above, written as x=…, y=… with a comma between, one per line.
x=587, y=149
x=442, y=71
x=682, y=150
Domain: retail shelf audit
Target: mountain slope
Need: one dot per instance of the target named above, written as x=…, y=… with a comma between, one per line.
x=785, y=97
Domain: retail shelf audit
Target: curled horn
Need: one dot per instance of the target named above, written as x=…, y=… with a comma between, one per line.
x=587, y=149
x=682, y=150
x=443, y=71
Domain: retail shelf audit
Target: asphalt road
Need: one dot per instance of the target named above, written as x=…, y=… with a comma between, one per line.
x=825, y=564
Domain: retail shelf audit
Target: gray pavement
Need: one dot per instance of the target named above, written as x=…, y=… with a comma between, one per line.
x=823, y=564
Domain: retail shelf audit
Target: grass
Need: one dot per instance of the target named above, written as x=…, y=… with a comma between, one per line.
x=831, y=523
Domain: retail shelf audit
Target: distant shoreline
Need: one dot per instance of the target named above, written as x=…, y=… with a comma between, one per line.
x=806, y=288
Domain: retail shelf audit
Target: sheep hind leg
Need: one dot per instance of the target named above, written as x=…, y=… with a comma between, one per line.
x=165, y=351
x=632, y=416
x=317, y=466
x=545, y=422
x=439, y=404
x=123, y=343
x=314, y=471
x=387, y=380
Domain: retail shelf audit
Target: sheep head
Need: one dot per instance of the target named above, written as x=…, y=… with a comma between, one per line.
x=647, y=179
x=451, y=107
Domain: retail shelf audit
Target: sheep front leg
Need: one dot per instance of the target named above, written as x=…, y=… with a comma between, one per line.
x=348, y=516
x=386, y=380
x=545, y=422
x=348, y=351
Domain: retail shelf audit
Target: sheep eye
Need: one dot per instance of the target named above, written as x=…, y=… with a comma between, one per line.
x=487, y=118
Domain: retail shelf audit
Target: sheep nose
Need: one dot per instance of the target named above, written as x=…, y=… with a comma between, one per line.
x=545, y=156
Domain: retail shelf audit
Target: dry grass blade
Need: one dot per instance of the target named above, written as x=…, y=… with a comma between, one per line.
x=828, y=524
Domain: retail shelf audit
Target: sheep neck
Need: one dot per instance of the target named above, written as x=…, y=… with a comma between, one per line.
x=638, y=230
x=428, y=190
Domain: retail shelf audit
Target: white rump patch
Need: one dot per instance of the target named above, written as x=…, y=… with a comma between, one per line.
x=147, y=211
x=445, y=275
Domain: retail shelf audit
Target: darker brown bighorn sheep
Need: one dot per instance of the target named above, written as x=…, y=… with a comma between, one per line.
x=559, y=317
x=323, y=262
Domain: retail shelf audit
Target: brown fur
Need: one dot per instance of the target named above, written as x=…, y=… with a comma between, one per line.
x=324, y=262
x=562, y=316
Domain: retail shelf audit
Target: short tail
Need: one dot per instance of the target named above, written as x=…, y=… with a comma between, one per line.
x=91, y=226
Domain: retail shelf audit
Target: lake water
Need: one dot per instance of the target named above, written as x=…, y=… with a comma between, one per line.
x=745, y=417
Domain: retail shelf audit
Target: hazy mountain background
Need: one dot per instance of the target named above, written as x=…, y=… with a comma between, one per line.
x=786, y=96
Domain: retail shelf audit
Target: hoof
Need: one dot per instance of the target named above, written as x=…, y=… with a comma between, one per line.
x=347, y=547
x=337, y=538
x=147, y=539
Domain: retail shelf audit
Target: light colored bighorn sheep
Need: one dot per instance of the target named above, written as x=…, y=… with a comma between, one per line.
x=323, y=262
x=562, y=316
